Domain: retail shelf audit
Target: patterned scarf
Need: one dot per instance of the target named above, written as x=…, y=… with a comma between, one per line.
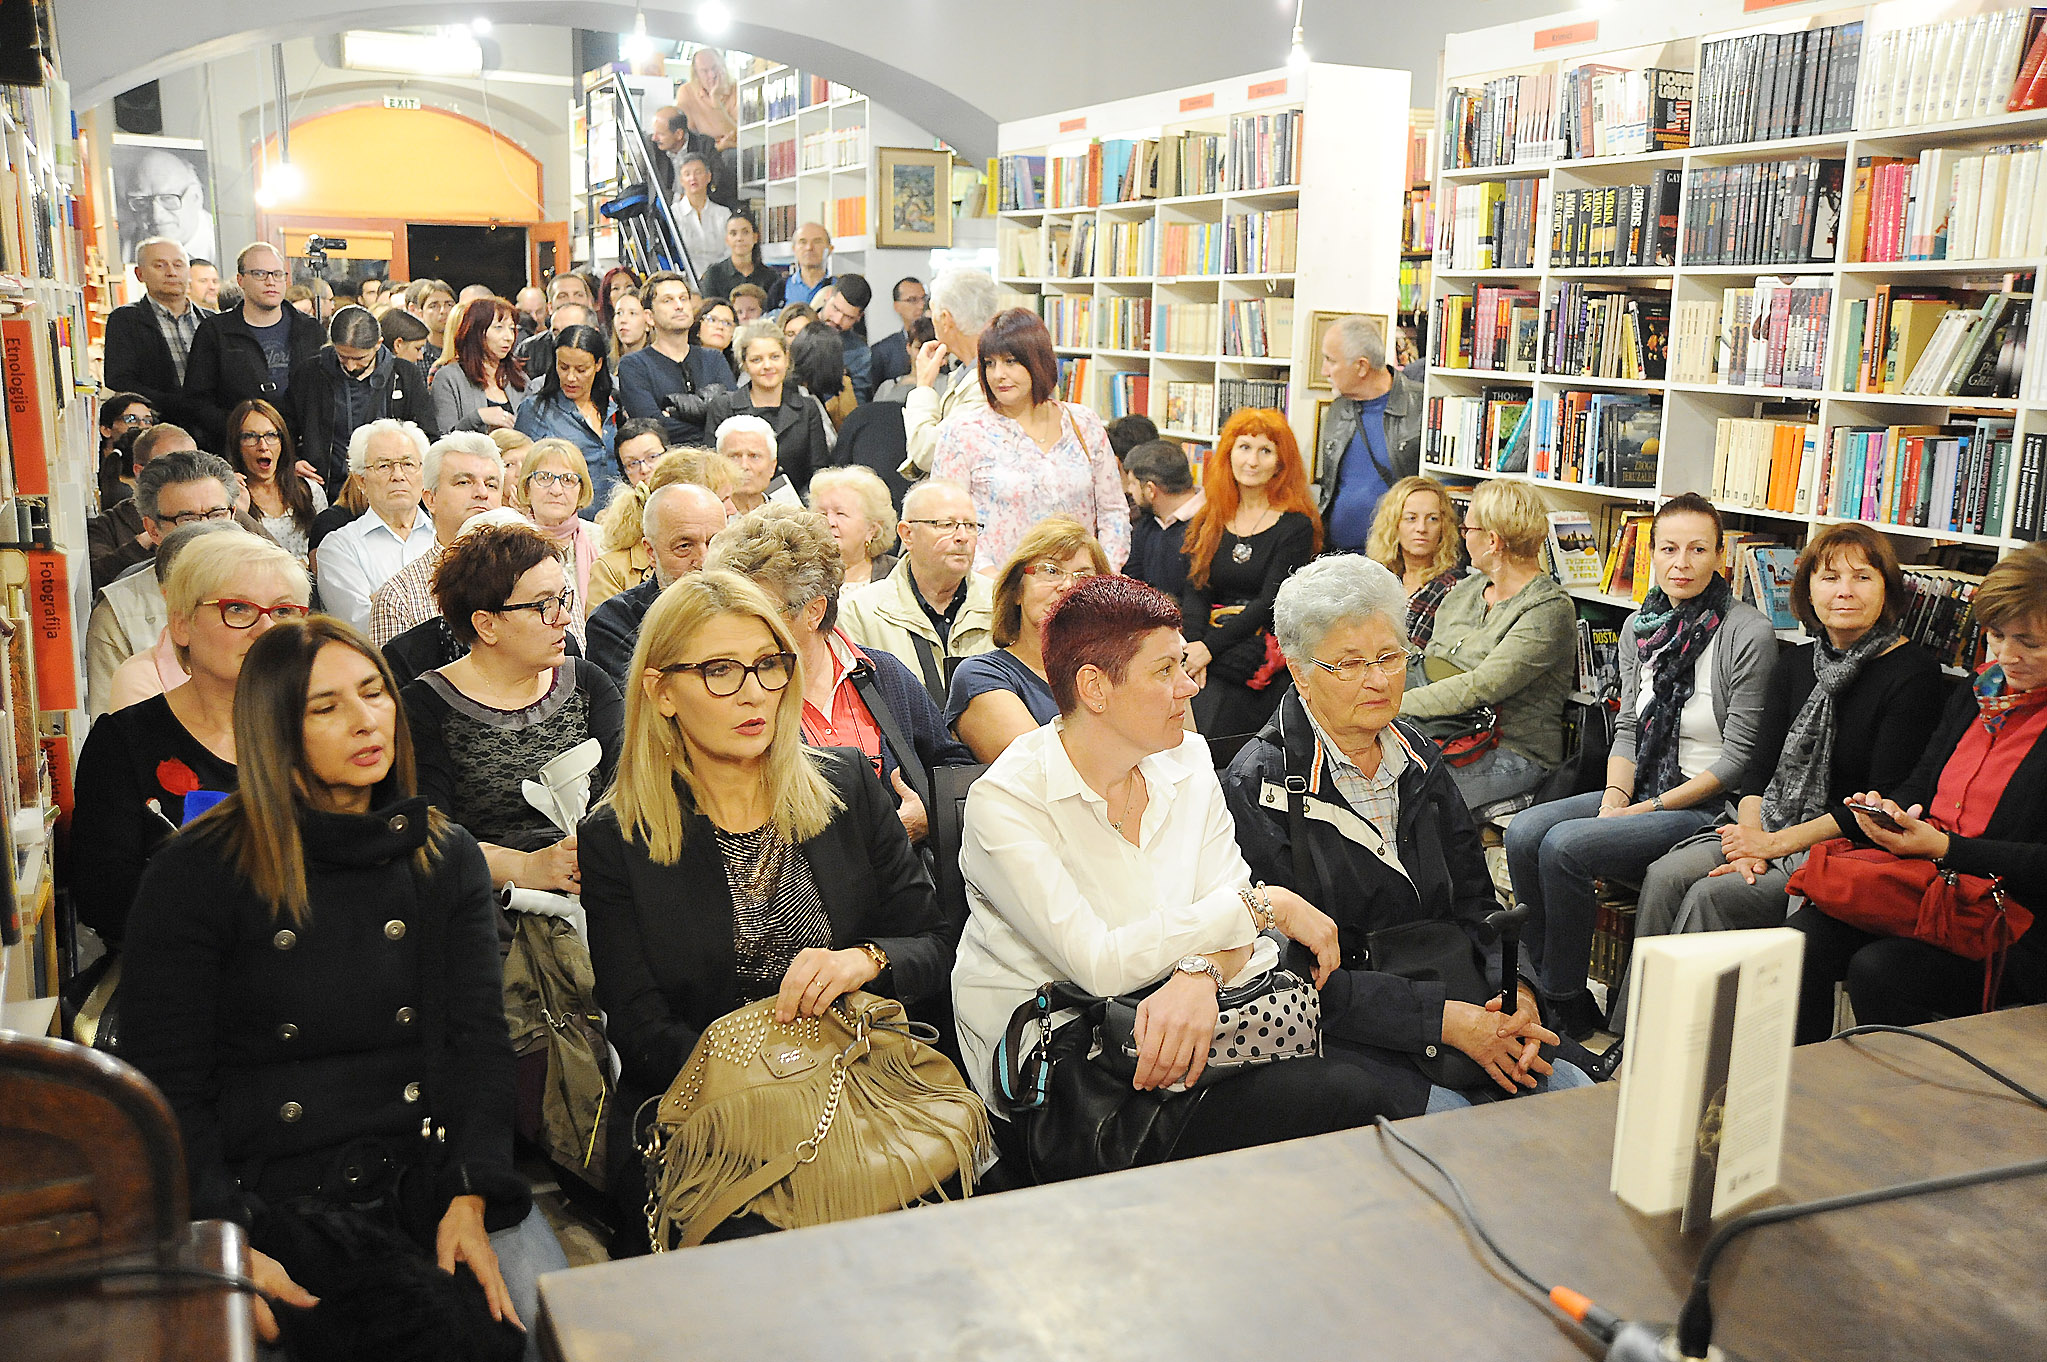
x=1669, y=639
x=1798, y=790
x=1995, y=703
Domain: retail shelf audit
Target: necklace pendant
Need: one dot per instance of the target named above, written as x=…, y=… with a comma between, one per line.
x=1241, y=553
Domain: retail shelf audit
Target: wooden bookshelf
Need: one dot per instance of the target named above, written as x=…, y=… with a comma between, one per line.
x=1348, y=196
x=1645, y=37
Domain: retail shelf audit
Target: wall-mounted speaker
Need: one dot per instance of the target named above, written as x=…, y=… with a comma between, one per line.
x=140, y=110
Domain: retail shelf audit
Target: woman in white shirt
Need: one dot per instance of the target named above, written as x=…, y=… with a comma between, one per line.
x=1098, y=850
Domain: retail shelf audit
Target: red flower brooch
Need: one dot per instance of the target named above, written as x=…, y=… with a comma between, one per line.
x=176, y=778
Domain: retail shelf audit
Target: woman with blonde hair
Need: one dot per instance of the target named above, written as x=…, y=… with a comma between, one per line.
x=730, y=862
x=553, y=487
x=1412, y=537
x=998, y=696
x=855, y=502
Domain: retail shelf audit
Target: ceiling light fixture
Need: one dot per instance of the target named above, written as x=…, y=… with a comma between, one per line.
x=1297, y=55
x=480, y=26
x=637, y=46
x=714, y=17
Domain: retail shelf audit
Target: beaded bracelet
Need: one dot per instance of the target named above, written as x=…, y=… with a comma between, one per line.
x=1264, y=907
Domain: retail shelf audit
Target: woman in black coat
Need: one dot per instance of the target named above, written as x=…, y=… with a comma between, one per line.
x=803, y=442
x=730, y=863
x=1341, y=622
x=313, y=983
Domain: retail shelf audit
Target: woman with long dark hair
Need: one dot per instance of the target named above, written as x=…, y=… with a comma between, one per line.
x=259, y=444
x=574, y=404
x=619, y=281
x=313, y=983
x=817, y=361
x=483, y=384
x=1257, y=524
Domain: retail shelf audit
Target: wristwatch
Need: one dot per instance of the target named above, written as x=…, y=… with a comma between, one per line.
x=877, y=955
x=1200, y=964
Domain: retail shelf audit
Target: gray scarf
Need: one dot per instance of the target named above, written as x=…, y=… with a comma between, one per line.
x=1798, y=790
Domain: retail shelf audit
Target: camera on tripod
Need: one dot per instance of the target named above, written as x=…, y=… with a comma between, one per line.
x=316, y=253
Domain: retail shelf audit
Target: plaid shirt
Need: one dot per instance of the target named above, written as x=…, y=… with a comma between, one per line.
x=177, y=330
x=406, y=598
x=1421, y=606
x=1375, y=798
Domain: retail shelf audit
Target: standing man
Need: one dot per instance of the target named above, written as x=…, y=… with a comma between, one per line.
x=810, y=246
x=122, y=535
x=367, y=552
x=531, y=305
x=431, y=300
x=149, y=341
x=963, y=303
x=250, y=352
x=701, y=222
x=205, y=284
x=845, y=310
x=667, y=134
x=668, y=378
x=932, y=608
x=677, y=526
x=892, y=352
x=1163, y=483
x=351, y=383
x=463, y=478
x=1371, y=436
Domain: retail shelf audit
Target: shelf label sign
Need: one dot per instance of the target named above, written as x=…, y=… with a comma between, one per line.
x=1267, y=89
x=1192, y=103
x=1568, y=35
x=1073, y=125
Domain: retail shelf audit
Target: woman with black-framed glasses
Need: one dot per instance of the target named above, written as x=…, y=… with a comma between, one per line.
x=486, y=723
x=283, y=500
x=730, y=862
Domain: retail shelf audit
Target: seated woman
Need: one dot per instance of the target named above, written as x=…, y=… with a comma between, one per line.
x=159, y=670
x=284, y=501
x=1257, y=525
x=1392, y=842
x=1414, y=535
x=1852, y=710
x=226, y=590
x=998, y=696
x=790, y=553
x=485, y=724
x=730, y=862
x=552, y=488
x=1695, y=666
x=313, y=976
x=1097, y=849
x=574, y=406
x=1505, y=637
x=1972, y=805
x=854, y=501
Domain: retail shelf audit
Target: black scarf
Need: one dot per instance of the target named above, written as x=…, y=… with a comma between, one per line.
x=1669, y=639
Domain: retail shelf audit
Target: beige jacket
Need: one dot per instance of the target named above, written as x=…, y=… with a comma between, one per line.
x=925, y=410
x=886, y=615
x=128, y=618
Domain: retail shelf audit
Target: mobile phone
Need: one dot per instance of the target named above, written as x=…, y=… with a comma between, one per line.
x=1877, y=815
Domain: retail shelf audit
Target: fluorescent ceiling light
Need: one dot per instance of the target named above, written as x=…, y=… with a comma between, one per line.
x=418, y=54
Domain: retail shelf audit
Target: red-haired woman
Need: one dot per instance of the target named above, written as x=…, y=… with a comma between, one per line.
x=481, y=385
x=619, y=281
x=1256, y=526
x=1029, y=455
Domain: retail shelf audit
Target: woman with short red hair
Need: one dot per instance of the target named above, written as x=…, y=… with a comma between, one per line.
x=1256, y=527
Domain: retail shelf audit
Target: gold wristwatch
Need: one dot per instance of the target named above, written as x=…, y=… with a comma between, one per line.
x=876, y=954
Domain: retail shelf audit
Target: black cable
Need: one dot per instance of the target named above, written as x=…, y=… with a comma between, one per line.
x=90, y=1276
x=1464, y=1206
x=1875, y=1029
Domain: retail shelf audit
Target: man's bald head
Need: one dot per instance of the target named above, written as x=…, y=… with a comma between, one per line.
x=677, y=524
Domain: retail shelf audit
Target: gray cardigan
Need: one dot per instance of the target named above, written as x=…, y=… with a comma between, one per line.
x=458, y=402
x=1741, y=678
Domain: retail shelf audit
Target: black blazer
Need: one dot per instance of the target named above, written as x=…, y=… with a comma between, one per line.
x=227, y=367
x=138, y=360
x=661, y=935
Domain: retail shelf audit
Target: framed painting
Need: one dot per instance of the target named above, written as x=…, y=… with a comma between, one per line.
x=1320, y=322
x=915, y=187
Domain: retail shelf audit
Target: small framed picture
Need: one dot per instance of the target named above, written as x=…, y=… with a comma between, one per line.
x=916, y=198
x=1320, y=322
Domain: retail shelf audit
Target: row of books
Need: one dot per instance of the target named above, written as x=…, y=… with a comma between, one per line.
x=1765, y=464
x=1770, y=335
x=1261, y=243
x=2031, y=493
x=1949, y=204
x=778, y=223
x=1416, y=278
x=1942, y=72
x=1262, y=328
x=1190, y=408
x=1599, y=660
x=1125, y=323
x=1265, y=150
x=1936, y=341
x=1602, y=332
x=1766, y=86
x=1948, y=477
x=1619, y=226
x=782, y=159
x=1419, y=142
x=1418, y=221
x=1940, y=618
x=1185, y=328
x=1129, y=394
x=1763, y=212
x=1127, y=248
x=848, y=216
x=834, y=148
x=1070, y=319
x=1761, y=571
x=1485, y=434
x=1493, y=225
x=1596, y=439
x=1073, y=378
x=1496, y=329
x=1269, y=394
x=1612, y=111
x=1072, y=249
x=782, y=95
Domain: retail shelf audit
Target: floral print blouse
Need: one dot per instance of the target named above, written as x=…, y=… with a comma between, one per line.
x=1015, y=484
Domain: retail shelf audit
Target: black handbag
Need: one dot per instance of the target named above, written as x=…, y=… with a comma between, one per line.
x=1463, y=738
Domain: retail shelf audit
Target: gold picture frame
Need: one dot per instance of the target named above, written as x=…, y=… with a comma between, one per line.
x=1320, y=322
x=914, y=188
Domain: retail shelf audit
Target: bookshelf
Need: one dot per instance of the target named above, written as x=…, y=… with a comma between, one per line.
x=1162, y=320
x=51, y=278
x=1418, y=220
x=1857, y=85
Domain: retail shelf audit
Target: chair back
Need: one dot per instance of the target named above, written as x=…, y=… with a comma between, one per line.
x=948, y=814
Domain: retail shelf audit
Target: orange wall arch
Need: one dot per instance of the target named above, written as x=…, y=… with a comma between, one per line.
x=417, y=165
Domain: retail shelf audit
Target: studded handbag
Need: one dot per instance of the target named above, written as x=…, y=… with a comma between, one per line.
x=821, y=1119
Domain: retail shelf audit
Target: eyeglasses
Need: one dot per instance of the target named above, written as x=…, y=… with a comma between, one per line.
x=949, y=527
x=391, y=468
x=551, y=479
x=265, y=437
x=645, y=461
x=1474, y=529
x=157, y=203
x=1060, y=576
x=723, y=676
x=267, y=276
x=136, y=418
x=240, y=614
x=194, y=517
x=552, y=610
x=1388, y=665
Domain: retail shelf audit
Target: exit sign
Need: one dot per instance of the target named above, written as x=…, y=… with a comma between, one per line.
x=400, y=102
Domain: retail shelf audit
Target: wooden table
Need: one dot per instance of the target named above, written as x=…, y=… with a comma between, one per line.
x=1345, y=1246
x=138, y=1322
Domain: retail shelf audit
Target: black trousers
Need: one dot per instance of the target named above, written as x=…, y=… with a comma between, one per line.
x=1895, y=981
x=1286, y=1101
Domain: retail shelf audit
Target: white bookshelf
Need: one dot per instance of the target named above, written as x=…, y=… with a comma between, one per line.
x=1645, y=36
x=1352, y=185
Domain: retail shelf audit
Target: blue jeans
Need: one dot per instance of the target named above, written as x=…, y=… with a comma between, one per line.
x=1562, y=1074
x=1555, y=850
x=1500, y=774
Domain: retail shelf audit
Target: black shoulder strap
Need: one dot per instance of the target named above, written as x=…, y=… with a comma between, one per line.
x=1296, y=812
x=927, y=662
x=891, y=732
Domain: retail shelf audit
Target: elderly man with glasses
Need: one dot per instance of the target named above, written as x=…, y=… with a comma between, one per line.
x=362, y=555
x=249, y=352
x=933, y=609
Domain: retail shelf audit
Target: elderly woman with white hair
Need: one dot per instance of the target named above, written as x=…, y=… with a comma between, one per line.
x=390, y=458
x=1381, y=841
x=855, y=502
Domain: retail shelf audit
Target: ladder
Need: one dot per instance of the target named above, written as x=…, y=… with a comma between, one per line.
x=648, y=237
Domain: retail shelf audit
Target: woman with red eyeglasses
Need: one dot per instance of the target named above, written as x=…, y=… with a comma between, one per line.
x=142, y=765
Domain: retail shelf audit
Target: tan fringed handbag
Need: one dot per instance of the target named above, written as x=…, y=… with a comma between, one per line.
x=827, y=1118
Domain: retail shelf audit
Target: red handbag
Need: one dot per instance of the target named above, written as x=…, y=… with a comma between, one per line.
x=1868, y=887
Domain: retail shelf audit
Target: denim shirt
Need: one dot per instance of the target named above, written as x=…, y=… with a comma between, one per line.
x=557, y=418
